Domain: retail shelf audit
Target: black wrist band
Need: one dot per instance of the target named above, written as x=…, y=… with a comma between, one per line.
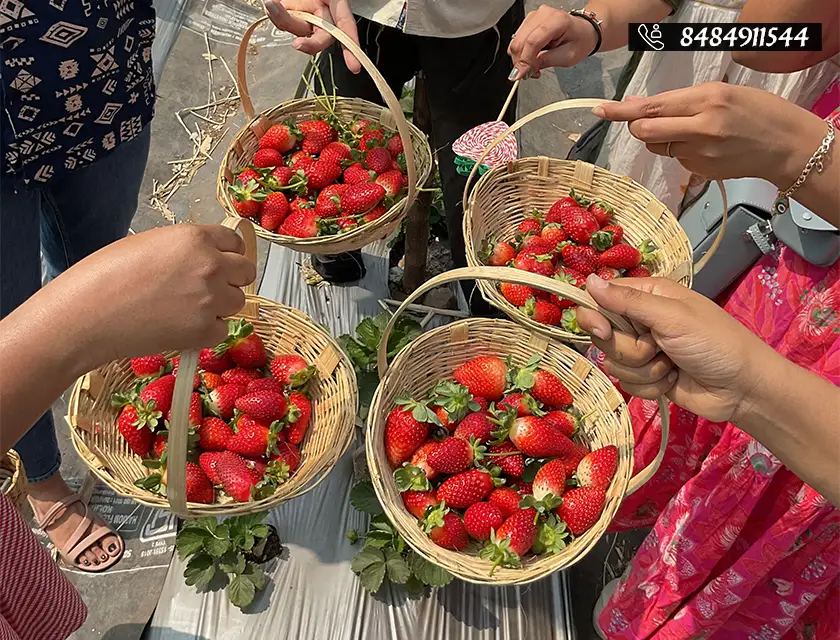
x=596, y=24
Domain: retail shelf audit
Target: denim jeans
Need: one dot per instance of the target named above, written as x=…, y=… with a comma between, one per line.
x=68, y=218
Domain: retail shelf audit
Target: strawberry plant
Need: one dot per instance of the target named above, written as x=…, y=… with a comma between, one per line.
x=228, y=552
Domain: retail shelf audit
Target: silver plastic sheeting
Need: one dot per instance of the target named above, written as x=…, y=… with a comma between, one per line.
x=312, y=594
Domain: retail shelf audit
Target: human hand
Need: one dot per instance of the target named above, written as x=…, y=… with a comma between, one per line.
x=168, y=288
x=687, y=347
x=723, y=131
x=550, y=37
x=312, y=40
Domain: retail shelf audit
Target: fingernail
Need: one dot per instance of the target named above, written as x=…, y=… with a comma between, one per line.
x=513, y=73
x=672, y=377
x=599, y=112
x=599, y=333
x=594, y=282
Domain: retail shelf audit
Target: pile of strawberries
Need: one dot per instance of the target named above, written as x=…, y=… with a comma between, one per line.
x=247, y=417
x=321, y=177
x=459, y=457
x=573, y=239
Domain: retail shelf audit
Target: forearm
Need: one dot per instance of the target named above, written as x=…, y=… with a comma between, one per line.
x=618, y=14
x=796, y=415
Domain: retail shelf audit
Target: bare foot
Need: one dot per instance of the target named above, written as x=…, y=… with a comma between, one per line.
x=43, y=495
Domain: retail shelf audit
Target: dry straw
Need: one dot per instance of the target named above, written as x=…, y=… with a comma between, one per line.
x=16, y=491
x=93, y=421
x=439, y=352
x=418, y=154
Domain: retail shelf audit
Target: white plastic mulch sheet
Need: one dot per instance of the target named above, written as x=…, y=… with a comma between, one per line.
x=312, y=594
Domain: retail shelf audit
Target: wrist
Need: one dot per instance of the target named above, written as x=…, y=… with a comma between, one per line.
x=795, y=148
x=588, y=31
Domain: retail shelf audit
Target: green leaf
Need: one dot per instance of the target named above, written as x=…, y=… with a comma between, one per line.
x=232, y=562
x=359, y=356
x=365, y=558
x=372, y=577
x=248, y=542
x=363, y=498
x=369, y=334
x=399, y=543
x=241, y=591
x=378, y=539
x=427, y=572
x=414, y=586
x=189, y=541
x=368, y=381
x=260, y=531
x=396, y=566
x=200, y=570
x=209, y=523
x=216, y=546
x=381, y=523
x=256, y=575
x=369, y=565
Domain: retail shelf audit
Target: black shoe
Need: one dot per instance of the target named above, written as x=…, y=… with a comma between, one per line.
x=340, y=268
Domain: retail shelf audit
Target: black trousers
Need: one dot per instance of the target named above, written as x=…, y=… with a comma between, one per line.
x=467, y=83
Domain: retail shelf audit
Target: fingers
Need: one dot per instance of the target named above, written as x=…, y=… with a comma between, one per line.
x=667, y=129
x=682, y=102
x=647, y=374
x=224, y=239
x=643, y=301
x=628, y=350
x=239, y=270
x=284, y=21
x=540, y=30
x=654, y=390
x=229, y=302
x=345, y=20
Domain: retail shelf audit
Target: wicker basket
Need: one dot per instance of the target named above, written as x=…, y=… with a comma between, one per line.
x=16, y=491
x=504, y=195
x=436, y=354
x=418, y=154
x=95, y=435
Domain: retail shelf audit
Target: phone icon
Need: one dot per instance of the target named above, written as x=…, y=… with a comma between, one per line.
x=654, y=38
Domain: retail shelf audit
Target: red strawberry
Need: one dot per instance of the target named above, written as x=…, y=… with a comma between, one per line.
x=579, y=224
x=570, y=276
x=371, y=138
x=300, y=160
x=357, y=174
x=246, y=175
x=195, y=415
x=378, y=160
x=221, y=401
x=484, y=376
x=583, y=259
x=281, y=137
x=265, y=384
x=336, y=152
x=327, y=202
x=395, y=146
x=608, y=273
x=420, y=461
x=391, y=181
x=210, y=361
x=506, y=499
x=257, y=467
x=602, y=212
x=624, y=256
x=360, y=126
x=317, y=134
x=136, y=424
x=462, y=490
x=288, y=454
x=301, y=205
x=211, y=381
x=238, y=375
x=454, y=455
x=544, y=312
x=267, y=158
x=214, y=434
x=321, y=173
x=572, y=202
x=418, y=501
x=361, y=197
x=564, y=422
x=375, y=213
x=253, y=439
x=554, y=234
x=280, y=177
x=598, y=468
x=160, y=392
x=159, y=443
x=550, y=390
x=496, y=254
x=247, y=199
x=538, y=245
x=524, y=488
x=347, y=223
x=265, y=406
x=208, y=461
x=540, y=264
x=482, y=518
x=581, y=508
x=535, y=438
x=475, y=425
x=404, y=431
x=300, y=412
x=529, y=225
x=516, y=294
x=148, y=365
x=512, y=540
x=300, y=224
x=445, y=528
x=519, y=403
x=511, y=461
x=291, y=370
x=550, y=480
x=638, y=272
x=234, y=475
x=275, y=208
x=244, y=345
x=199, y=487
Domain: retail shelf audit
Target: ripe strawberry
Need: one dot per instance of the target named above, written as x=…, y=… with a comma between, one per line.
x=541, y=264
x=624, y=256
x=247, y=199
x=608, y=273
x=538, y=245
x=159, y=443
x=583, y=259
x=506, y=499
x=327, y=202
x=462, y=490
x=280, y=137
x=371, y=138
x=265, y=406
x=482, y=518
x=214, y=434
x=211, y=381
x=418, y=501
x=572, y=203
x=519, y=403
x=317, y=134
x=524, y=488
x=291, y=370
x=535, y=438
x=508, y=458
x=572, y=460
x=321, y=174
x=238, y=375
x=135, y=425
x=257, y=467
x=275, y=208
x=253, y=438
x=405, y=432
x=391, y=181
x=300, y=160
x=199, y=487
x=300, y=224
x=244, y=345
x=301, y=205
x=395, y=146
x=475, y=425
x=484, y=376
x=579, y=224
x=233, y=474
x=454, y=455
x=419, y=471
x=512, y=540
x=360, y=126
x=451, y=402
x=208, y=461
x=496, y=254
x=550, y=480
x=638, y=272
x=288, y=454
x=210, y=361
x=336, y=152
x=445, y=528
x=265, y=384
x=378, y=160
x=267, y=158
x=570, y=276
x=529, y=225
x=148, y=365
x=602, y=212
x=280, y=177
x=581, y=508
x=346, y=223
x=299, y=414
x=554, y=234
x=598, y=468
x=246, y=175
x=361, y=197
x=195, y=414
x=221, y=401
x=544, y=312
x=516, y=294
x=564, y=422
x=160, y=392
x=357, y=174
x=550, y=390
x=375, y=213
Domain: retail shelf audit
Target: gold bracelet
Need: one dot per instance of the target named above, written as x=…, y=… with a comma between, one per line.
x=816, y=161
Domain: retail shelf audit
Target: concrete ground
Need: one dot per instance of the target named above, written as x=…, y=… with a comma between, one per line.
x=273, y=73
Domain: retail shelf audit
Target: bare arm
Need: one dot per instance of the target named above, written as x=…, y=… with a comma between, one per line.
x=618, y=15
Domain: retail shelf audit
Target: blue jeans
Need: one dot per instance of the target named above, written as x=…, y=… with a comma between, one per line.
x=68, y=219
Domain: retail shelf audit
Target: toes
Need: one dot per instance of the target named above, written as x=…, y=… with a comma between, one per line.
x=88, y=559
x=111, y=545
x=99, y=553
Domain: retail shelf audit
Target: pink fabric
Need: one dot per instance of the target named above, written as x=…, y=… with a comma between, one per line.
x=36, y=601
x=740, y=547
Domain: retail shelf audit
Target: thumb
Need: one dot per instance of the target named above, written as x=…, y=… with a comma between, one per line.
x=633, y=299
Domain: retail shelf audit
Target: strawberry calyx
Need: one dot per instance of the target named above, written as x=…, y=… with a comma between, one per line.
x=569, y=321
x=582, y=201
x=237, y=330
x=546, y=505
x=648, y=250
x=411, y=478
x=274, y=430
x=419, y=410
x=498, y=552
x=250, y=191
x=552, y=536
x=602, y=240
x=455, y=398
x=147, y=414
x=434, y=517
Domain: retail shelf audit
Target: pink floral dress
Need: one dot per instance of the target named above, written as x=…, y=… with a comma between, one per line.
x=741, y=548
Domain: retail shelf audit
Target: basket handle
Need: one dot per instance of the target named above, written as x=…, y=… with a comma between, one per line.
x=388, y=96
x=565, y=290
x=176, y=445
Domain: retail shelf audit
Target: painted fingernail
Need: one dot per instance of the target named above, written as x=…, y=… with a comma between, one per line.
x=104, y=556
x=513, y=73
x=594, y=282
x=112, y=547
x=599, y=112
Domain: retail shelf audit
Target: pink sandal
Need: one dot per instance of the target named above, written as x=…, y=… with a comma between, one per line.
x=79, y=542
